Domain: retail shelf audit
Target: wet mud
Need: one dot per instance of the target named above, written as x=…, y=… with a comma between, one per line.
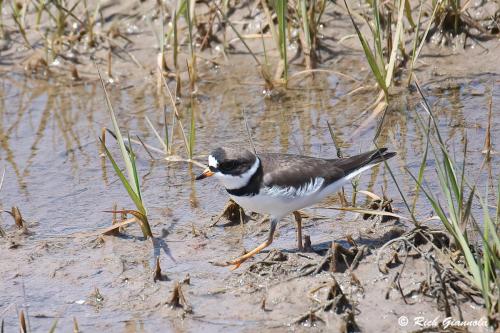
x=60, y=267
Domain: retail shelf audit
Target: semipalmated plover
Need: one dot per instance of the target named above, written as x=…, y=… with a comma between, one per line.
x=279, y=184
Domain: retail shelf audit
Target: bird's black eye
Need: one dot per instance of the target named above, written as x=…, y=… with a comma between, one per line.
x=228, y=165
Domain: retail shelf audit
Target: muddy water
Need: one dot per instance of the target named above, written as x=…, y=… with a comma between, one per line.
x=54, y=174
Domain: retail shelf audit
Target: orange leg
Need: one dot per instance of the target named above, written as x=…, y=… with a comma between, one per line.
x=298, y=220
x=238, y=261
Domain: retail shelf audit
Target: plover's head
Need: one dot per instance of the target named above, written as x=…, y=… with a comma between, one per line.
x=233, y=167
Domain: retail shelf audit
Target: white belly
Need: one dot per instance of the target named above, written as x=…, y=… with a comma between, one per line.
x=278, y=206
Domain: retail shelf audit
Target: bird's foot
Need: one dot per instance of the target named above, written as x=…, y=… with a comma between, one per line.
x=236, y=263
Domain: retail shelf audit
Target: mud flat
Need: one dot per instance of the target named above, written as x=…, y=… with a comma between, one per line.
x=362, y=272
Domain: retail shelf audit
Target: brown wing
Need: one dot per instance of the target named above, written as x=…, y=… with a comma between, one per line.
x=297, y=171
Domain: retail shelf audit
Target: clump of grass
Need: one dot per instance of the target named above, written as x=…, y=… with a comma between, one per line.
x=57, y=34
x=18, y=14
x=452, y=19
x=264, y=68
x=89, y=24
x=419, y=40
x=61, y=30
x=382, y=69
x=188, y=138
x=383, y=61
x=131, y=181
x=186, y=9
x=162, y=67
x=167, y=141
x=310, y=19
x=479, y=263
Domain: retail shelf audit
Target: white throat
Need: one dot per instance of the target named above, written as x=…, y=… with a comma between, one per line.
x=231, y=182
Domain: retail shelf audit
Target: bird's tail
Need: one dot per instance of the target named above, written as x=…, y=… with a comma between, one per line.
x=380, y=155
x=367, y=159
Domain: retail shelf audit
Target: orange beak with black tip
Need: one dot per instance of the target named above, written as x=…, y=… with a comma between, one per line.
x=206, y=173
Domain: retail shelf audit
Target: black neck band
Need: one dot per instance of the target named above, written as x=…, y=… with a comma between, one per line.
x=253, y=186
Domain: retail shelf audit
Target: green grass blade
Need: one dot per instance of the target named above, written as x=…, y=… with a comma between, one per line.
x=408, y=13
x=377, y=37
x=281, y=9
x=415, y=42
x=119, y=137
x=435, y=205
x=165, y=145
x=124, y=181
x=395, y=42
x=450, y=169
x=497, y=218
x=462, y=185
x=468, y=207
x=488, y=223
x=134, y=168
x=488, y=255
x=449, y=181
x=424, y=36
x=189, y=20
x=16, y=16
x=369, y=55
x=238, y=34
x=421, y=169
x=305, y=23
x=270, y=23
x=177, y=117
x=453, y=227
x=176, y=42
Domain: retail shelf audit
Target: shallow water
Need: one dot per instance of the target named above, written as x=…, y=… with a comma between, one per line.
x=54, y=173
x=50, y=151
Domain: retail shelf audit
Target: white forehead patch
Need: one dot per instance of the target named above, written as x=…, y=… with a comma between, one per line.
x=212, y=161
